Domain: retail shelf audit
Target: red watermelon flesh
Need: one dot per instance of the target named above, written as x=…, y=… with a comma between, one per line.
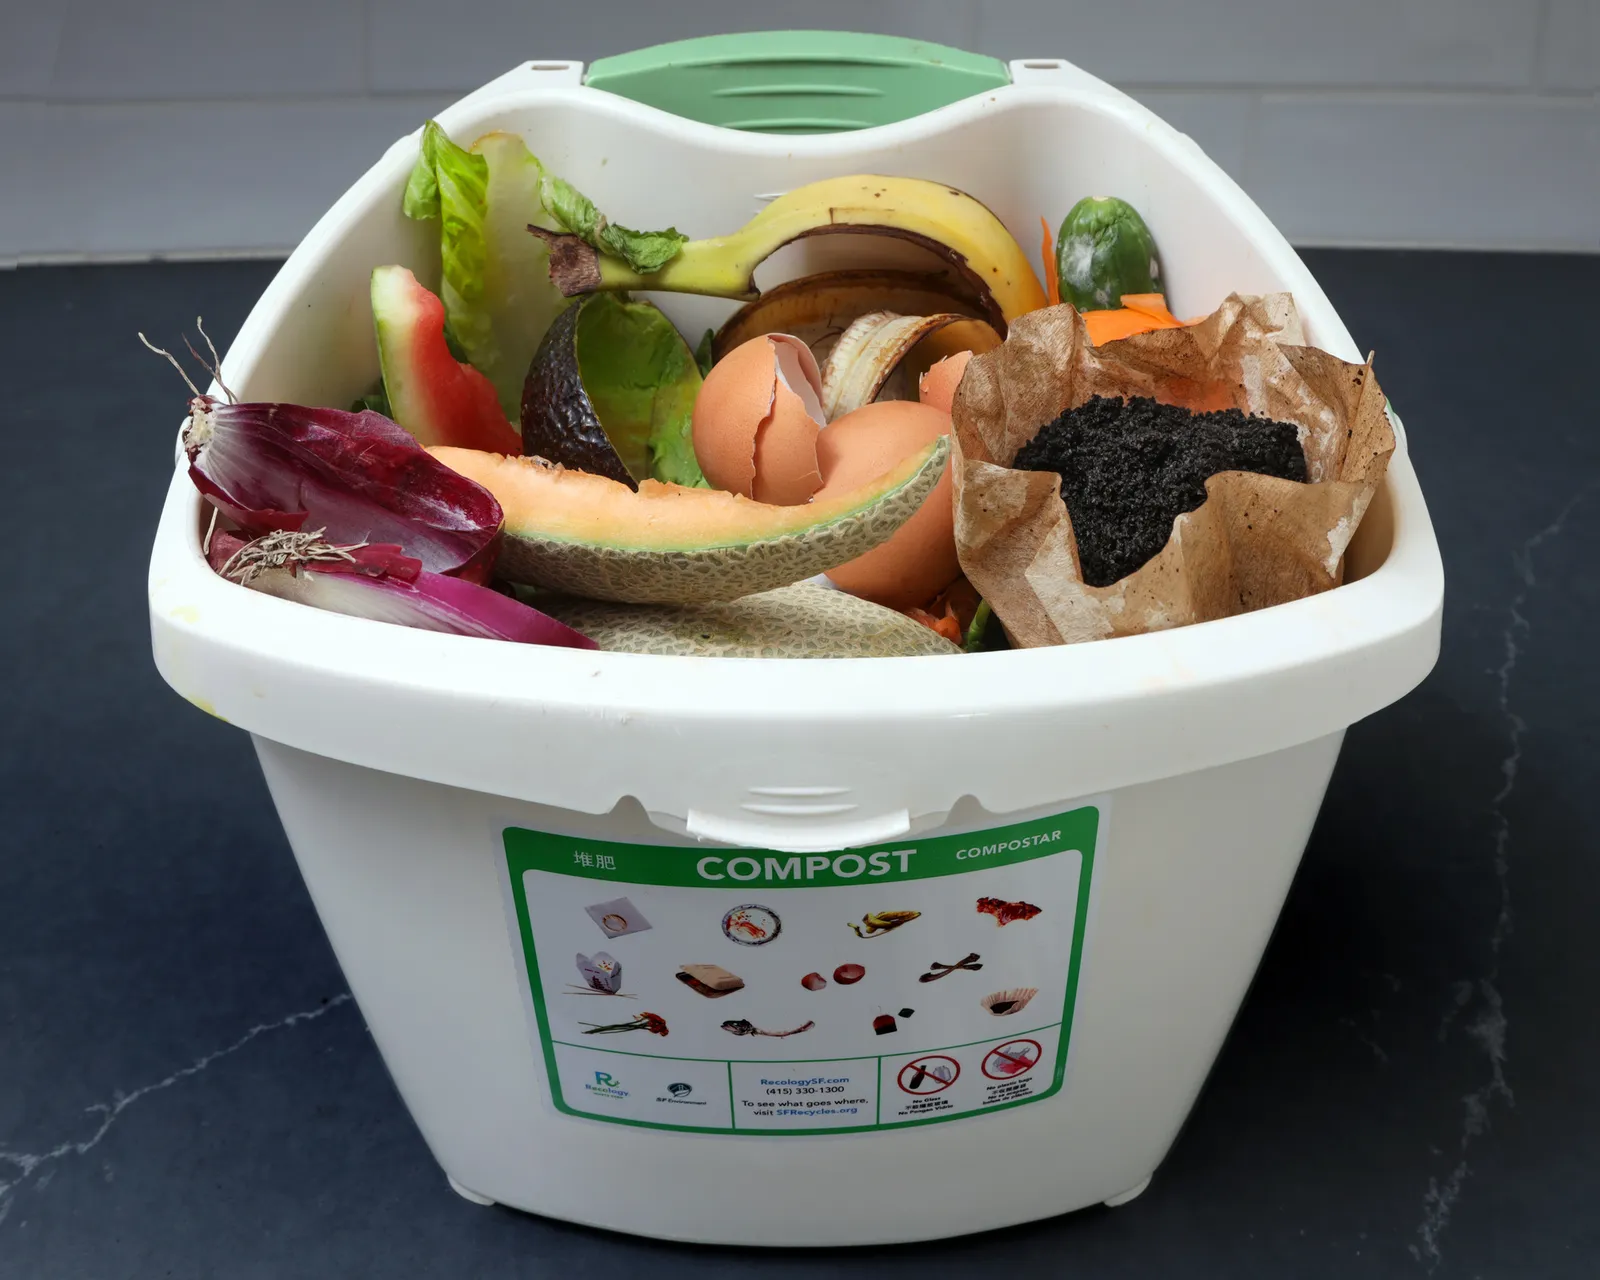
x=431, y=394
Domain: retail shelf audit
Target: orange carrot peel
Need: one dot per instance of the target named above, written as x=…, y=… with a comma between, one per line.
x=1139, y=313
x=1052, y=282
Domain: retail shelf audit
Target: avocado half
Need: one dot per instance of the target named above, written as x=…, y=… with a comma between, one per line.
x=611, y=391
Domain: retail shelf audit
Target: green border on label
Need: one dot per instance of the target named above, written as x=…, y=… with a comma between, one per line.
x=699, y=867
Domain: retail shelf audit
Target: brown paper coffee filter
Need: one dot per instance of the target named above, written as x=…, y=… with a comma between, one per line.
x=1255, y=541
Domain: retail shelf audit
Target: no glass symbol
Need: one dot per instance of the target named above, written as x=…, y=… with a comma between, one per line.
x=928, y=1075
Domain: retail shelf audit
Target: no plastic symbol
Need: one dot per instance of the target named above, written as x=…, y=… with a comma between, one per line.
x=1012, y=1059
x=923, y=1077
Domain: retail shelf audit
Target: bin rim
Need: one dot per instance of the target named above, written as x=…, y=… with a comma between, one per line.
x=1291, y=673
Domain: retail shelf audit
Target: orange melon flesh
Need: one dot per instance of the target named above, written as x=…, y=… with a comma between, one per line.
x=576, y=506
x=666, y=544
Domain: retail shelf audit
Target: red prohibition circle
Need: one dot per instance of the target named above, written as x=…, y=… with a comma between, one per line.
x=1038, y=1052
x=919, y=1066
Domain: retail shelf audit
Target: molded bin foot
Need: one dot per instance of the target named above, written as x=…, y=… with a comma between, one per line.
x=1132, y=1193
x=473, y=1196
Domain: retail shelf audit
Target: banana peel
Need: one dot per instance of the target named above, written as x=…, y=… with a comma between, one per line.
x=952, y=225
x=818, y=308
x=869, y=352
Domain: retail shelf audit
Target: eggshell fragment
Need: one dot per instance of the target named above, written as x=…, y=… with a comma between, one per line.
x=787, y=472
x=734, y=400
x=919, y=561
x=756, y=421
x=798, y=370
x=937, y=387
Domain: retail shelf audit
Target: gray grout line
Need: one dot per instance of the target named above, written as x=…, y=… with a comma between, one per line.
x=1540, y=35
x=367, y=47
x=1379, y=97
x=1249, y=144
x=133, y=258
x=96, y=257
x=55, y=52
x=1379, y=94
x=258, y=100
x=1453, y=246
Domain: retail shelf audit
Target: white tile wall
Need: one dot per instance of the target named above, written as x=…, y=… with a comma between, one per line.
x=1218, y=121
x=1430, y=172
x=1358, y=43
x=417, y=44
x=1570, y=57
x=228, y=125
x=29, y=36
x=211, y=49
x=150, y=178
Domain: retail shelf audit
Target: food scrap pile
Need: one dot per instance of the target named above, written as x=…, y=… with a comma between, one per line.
x=546, y=459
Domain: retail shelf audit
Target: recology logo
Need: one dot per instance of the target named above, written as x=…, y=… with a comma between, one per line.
x=606, y=1085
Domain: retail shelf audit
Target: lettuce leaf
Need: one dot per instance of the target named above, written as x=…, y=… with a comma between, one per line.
x=375, y=401
x=705, y=352
x=496, y=288
x=518, y=297
x=498, y=298
x=644, y=251
x=451, y=184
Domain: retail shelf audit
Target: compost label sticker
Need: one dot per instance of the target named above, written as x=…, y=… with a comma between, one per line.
x=747, y=992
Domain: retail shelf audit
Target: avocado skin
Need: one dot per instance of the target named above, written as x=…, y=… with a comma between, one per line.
x=559, y=423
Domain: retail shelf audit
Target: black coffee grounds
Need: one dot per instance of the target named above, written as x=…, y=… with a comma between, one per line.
x=1128, y=468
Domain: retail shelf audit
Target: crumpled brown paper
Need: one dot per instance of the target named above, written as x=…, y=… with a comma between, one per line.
x=1255, y=541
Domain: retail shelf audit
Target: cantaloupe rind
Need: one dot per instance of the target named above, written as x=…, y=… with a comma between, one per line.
x=799, y=621
x=664, y=544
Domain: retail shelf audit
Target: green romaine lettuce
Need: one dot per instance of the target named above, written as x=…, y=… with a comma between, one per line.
x=644, y=251
x=705, y=352
x=497, y=293
x=377, y=401
x=451, y=185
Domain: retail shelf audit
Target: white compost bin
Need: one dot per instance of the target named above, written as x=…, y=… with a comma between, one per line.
x=474, y=818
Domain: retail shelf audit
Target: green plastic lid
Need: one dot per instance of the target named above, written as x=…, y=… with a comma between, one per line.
x=797, y=81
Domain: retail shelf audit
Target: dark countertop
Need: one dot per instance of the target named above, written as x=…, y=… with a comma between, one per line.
x=185, y=1089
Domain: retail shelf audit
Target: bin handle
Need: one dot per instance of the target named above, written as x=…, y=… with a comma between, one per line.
x=796, y=82
x=805, y=829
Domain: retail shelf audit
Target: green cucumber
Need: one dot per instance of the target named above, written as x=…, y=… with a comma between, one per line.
x=1103, y=251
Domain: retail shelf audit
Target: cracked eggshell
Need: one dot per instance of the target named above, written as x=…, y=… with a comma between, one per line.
x=756, y=421
x=919, y=561
x=787, y=469
x=733, y=402
x=937, y=387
